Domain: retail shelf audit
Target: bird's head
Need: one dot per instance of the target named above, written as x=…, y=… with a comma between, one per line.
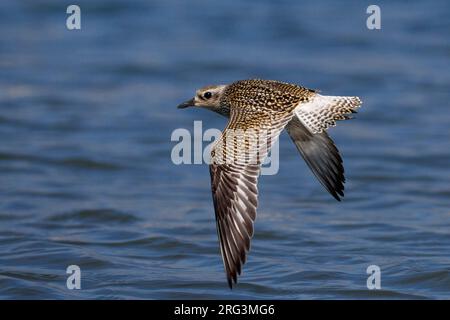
x=207, y=97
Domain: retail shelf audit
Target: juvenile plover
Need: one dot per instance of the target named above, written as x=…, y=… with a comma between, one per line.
x=256, y=108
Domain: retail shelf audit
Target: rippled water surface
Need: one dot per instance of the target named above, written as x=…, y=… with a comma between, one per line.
x=86, y=176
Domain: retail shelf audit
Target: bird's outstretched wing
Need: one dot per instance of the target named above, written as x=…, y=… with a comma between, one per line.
x=235, y=167
x=235, y=197
x=321, y=155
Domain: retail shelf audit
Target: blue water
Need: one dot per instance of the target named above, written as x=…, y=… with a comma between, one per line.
x=86, y=176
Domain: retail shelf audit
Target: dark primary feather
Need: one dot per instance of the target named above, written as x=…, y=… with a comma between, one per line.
x=321, y=155
x=235, y=198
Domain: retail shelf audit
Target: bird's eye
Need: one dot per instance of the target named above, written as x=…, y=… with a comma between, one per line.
x=207, y=95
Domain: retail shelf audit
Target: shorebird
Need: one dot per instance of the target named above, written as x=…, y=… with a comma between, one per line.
x=258, y=108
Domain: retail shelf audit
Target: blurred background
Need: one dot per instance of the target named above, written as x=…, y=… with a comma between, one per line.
x=86, y=176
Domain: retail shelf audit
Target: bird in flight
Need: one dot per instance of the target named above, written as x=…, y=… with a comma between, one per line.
x=258, y=110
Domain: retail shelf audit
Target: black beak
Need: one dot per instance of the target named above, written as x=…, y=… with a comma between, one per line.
x=188, y=103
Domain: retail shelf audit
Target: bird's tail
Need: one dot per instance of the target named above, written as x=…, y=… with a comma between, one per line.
x=322, y=112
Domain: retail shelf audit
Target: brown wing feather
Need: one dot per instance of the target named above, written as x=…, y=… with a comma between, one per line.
x=235, y=197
